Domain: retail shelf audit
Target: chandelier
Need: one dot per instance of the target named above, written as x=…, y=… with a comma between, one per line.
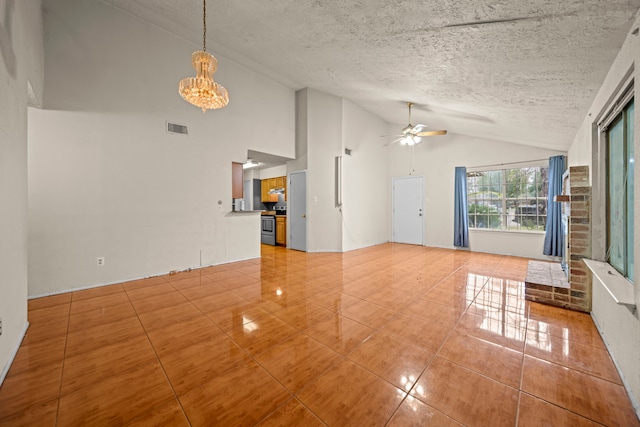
x=201, y=90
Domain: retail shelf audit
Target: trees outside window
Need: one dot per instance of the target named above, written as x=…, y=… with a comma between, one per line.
x=508, y=199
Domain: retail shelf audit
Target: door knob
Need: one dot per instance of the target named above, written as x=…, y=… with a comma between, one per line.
x=304, y=215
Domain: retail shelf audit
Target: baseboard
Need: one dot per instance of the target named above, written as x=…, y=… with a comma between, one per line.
x=82, y=288
x=634, y=402
x=5, y=371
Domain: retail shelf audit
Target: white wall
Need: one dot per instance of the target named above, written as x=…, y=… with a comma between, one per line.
x=21, y=64
x=324, y=142
x=273, y=172
x=105, y=177
x=249, y=174
x=620, y=326
x=300, y=162
x=436, y=159
x=325, y=126
x=365, y=182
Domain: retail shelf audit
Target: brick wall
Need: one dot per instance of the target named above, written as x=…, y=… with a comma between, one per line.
x=578, y=296
x=579, y=238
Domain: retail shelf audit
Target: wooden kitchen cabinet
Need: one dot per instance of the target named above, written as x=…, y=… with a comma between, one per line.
x=237, y=188
x=265, y=186
x=264, y=190
x=270, y=183
x=281, y=230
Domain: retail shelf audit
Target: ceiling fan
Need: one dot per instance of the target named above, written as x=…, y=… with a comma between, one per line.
x=412, y=134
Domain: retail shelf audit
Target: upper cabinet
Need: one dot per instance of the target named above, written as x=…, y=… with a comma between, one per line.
x=237, y=189
x=266, y=197
x=271, y=183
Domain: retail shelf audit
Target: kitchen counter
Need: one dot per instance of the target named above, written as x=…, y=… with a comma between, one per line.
x=244, y=212
x=274, y=213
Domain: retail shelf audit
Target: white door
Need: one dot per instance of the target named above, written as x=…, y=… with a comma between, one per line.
x=407, y=205
x=297, y=210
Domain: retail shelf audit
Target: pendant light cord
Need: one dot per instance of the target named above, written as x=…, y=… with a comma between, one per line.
x=204, y=25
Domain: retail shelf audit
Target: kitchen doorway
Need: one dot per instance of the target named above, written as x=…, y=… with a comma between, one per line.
x=408, y=209
x=297, y=210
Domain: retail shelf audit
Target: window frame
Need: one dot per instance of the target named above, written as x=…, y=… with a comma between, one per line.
x=618, y=100
x=503, y=201
x=620, y=116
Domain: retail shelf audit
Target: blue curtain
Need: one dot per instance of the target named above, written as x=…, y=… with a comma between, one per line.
x=554, y=239
x=460, y=209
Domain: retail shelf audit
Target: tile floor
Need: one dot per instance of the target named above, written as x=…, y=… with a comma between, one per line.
x=389, y=335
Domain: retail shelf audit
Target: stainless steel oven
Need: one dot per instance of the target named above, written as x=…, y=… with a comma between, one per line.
x=268, y=229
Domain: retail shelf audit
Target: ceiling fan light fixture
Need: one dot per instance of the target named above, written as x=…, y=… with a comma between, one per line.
x=410, y=140
x=202, y=91
x=412, y=135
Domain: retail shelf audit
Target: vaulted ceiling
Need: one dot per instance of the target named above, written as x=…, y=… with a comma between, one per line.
x=509, y=70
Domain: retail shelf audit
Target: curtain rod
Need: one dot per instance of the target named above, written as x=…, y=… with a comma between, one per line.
x=508, y=163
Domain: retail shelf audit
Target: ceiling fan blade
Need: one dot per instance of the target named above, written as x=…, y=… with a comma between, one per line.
x=393, y=142
x=418, y=128
x=432, y=133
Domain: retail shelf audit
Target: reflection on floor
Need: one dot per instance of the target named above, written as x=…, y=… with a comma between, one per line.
x=392, y=334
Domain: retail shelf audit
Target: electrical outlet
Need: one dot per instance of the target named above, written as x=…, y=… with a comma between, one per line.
x=100, y=260
x=219, y=208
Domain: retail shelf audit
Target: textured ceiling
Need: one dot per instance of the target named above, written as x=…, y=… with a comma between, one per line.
x=510, y=70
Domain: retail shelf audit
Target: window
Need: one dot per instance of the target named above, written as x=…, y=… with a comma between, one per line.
x=508, y=199
x=620, y=160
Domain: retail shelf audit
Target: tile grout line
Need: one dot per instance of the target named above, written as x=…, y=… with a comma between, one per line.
x=521, y=391
x=157, y=358
x=451, y=330
x=524, y=353
x=292, y=395
x=408, y=393
x=64, y=358
x=11, y=415
x=464, y=367
x=524, y=346
x=563, y=408
x=343, y=357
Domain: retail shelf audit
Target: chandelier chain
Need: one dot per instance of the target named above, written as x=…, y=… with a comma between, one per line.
x=204, y=25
